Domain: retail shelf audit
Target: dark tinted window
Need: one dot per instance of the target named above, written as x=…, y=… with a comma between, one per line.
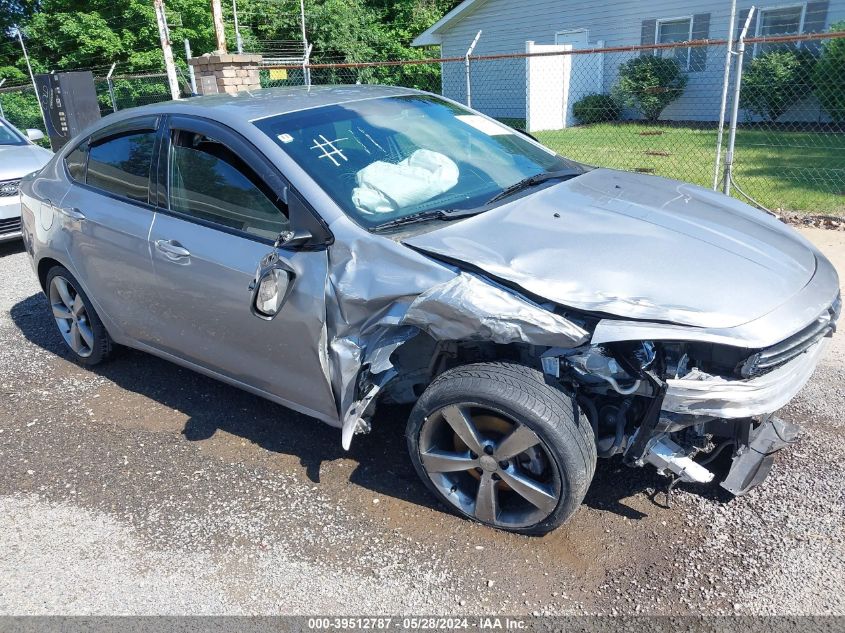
x=209, y=182
x=121, y=165
x=75, y=162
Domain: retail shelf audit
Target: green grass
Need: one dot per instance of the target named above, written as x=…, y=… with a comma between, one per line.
x=794, y=171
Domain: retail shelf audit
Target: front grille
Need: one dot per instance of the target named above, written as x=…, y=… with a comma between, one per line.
x=783, y=352
x=10, y=225
x=9, y=188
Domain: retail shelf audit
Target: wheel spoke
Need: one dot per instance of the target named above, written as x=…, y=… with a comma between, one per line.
x=75, y=338
x=86, y=333
x=520, y=439
x=64, y=292
x=60, y=311
x=442, y=462
x=487, y=499
x=532, y=491
x=78, y=306
x=462, y=425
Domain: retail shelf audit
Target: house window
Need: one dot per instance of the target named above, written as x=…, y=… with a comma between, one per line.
x=779, y=21
x=675, y=30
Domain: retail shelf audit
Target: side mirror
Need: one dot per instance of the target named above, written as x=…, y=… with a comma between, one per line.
x=34, y=135
x=271, y=287
x=294, y=239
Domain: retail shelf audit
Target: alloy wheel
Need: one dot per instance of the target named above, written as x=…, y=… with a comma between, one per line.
x=71, y=316
x=489, y=466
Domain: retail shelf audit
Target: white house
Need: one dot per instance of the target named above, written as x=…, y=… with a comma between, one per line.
x=499, y=87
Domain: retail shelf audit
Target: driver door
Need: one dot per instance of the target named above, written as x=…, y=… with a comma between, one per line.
x=216, y=219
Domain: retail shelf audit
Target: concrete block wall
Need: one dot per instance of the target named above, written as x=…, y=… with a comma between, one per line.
x=231, y=73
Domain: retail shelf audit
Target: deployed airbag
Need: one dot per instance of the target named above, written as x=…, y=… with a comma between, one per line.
x=387, y=187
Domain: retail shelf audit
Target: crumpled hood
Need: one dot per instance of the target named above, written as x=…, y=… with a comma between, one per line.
x=635, y=246
x=16, y=161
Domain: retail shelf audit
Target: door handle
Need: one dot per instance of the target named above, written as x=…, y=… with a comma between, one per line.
x=71, y=212
x=172, y=249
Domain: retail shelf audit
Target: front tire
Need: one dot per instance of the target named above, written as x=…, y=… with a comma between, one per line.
x=82, y=330
x=498, y=445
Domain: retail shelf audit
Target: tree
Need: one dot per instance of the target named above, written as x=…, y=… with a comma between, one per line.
x=829, y=76
x=775, y=81
x=648, y=84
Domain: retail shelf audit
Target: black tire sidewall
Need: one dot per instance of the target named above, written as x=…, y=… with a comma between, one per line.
x=551, y=422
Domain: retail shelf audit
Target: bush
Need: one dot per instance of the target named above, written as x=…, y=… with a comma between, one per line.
x=21, y=109
x=648, y=84
x=775, y=81
x=595, y=108
x=829, y=76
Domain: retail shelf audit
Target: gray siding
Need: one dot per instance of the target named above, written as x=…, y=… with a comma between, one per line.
x=499, y=86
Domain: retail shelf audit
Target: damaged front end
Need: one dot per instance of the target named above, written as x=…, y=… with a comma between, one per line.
x=678, y=406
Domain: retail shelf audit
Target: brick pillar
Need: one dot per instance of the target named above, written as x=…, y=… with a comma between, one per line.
x=226, y=73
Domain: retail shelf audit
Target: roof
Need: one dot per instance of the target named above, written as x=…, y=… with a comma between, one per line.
x=431, y=36
x=267, y=102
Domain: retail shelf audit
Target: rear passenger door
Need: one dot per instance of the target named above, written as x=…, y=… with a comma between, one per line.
x=221, y=207
x=107, y=214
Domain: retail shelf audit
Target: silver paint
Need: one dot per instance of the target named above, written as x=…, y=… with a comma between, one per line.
x=657, y=259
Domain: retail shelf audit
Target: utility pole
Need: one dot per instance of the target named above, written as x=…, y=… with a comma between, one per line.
x=219, y=30
x=164, y=34
x=32, y=78
x=302, y=24
x=238, y=40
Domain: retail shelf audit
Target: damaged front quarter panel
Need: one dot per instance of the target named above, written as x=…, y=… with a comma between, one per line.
x=371, y=314
x=470, y=308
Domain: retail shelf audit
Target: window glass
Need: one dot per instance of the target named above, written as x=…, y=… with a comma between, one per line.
x=675, y=31
x=785, y=21
x=75, y=162
x=210, y=182
x=387, y=158
x=8, y=136
x=121, y=165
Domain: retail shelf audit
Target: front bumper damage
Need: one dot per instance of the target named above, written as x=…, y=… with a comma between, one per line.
x=698, y=393
x=748, y=403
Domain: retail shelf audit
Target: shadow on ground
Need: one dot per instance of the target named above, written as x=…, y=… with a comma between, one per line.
x=382, y=463
x=11, y=248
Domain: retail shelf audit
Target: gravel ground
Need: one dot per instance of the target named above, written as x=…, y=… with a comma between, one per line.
x=142, y=488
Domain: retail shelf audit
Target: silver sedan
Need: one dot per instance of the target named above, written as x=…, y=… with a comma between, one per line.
x=334, y=248
x=19, y=156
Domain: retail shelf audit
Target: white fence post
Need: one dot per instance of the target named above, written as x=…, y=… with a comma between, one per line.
x=724, y=102
x=467, y=68
x=740, y=55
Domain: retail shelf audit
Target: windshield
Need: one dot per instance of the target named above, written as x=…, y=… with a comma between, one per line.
x=389, y=158
x=10, y=136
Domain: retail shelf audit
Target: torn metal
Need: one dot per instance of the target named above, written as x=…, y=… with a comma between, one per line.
x=469, y=308
x=370, y=314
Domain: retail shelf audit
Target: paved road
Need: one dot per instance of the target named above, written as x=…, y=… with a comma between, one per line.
x=142, y=488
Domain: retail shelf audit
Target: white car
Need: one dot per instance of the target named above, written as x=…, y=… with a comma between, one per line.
x=19, y=156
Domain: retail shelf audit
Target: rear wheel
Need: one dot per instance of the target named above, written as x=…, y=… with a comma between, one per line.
x=78, y=323
x=498, y=445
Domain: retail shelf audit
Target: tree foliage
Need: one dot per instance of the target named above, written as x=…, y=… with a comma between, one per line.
x=829, y=76
x=648, y=84
x=595, y=108
x=94, y=34
x=775, y=81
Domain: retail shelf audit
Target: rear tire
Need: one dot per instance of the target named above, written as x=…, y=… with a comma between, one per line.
x=465, y=434
x=81, y=328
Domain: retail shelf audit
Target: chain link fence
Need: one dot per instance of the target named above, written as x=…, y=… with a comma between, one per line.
x=655, y=109
x=19, y=105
